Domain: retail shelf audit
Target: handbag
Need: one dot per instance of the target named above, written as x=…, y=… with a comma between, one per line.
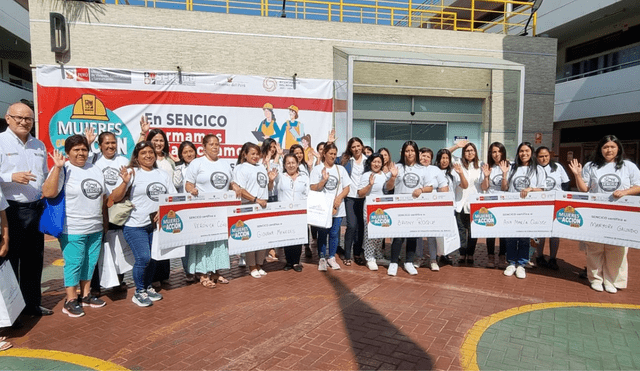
x=53, y=215
x=320, y=209
x=119, y=212
x=11, y=301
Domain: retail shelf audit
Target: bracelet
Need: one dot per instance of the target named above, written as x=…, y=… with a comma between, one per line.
x=254, y=199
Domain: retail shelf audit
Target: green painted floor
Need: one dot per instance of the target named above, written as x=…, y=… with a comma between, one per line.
x=572, y=338
x=27, y=363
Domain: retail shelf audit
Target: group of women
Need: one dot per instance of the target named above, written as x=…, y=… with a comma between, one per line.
x=264, y=174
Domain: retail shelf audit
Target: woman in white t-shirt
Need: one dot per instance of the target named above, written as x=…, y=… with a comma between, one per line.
x=254, y=181
x=492, y=183
x=353, y=161
x=608, y=173
x=208, y=174
x=147, y=184
x=81, y=239
x=372, y=183
x=187, y=152
x=557, y=180
x=332, y=179
x=292, y=186
x=524, y=176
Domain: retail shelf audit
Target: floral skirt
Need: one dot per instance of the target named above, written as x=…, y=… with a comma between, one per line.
x=209, y=257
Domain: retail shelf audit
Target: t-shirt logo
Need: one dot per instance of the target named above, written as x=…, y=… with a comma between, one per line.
x=110, y=176
x=91, y=188
x=609, y=182
x=331, y=184
x=496, y=181
x=262, y=180
x=411, y=180
x=550, y=183
x=219, y=180
x=155, y=189
x=521, y=182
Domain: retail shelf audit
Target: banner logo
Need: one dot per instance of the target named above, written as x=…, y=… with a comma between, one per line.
x=570, y=216
x=269, y=84
x=171, y=223
x=380, y=218
x=240, y=231
x=484, y=217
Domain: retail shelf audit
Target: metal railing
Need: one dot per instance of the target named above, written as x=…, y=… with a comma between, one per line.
x=495, y=16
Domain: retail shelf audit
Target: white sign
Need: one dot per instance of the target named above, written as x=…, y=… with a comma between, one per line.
x=253, y=228
x=597, y=218
x=186, y=219
x=430, y=215
x=509, y=215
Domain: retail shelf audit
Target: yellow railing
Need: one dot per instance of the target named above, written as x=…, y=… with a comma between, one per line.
x=495, y=16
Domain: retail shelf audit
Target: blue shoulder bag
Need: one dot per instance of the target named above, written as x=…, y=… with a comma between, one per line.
x=53, y=215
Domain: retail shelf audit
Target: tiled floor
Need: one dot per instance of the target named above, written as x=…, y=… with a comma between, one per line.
x=349, y=319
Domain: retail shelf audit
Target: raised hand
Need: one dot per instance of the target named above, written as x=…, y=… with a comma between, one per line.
x=332, y=136
x=576, y=167
x=461, y=143
x=90, y=134
x=58, y=158
x=125, y=174
x=486, y=170
x=325, y=174
x=504, y=166
x=393, y=169
x=145, y=125
x=372, y=179
x=458, y=168
x=273, y=174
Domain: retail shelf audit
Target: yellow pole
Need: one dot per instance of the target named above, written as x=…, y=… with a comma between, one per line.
x=341, y=9
x=329, y=12
x=392, y=16
x=535, y=22
x=473, y=14
x=409, y=13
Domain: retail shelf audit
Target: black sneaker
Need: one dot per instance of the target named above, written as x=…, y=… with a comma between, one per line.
x=93, y=302
x=73, y=308
x=541, y=262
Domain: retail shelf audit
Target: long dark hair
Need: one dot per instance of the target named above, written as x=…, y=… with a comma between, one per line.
x=266, y=146
x=415, y=149
x=136, y=151
x=347, y=154
x=552, y=164
x=184, y=145
x=599, y=160
x=327, y=147
x=245, y=150
x=292, y=150
x=503, y=152
x=153, y=133
x=367, y=164
x=465, y=163
x=533, y=164
x=449, y=168
x=388, y=154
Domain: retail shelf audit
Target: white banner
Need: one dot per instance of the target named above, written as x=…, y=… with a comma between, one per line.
x=509, y=215
x=597, y=218
x=186, y=219
x=11, y=301
x=253, y=228
x=430, y=215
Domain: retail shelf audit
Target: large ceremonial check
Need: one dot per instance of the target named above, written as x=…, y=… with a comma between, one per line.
x=598, y=218
x=253, y=228
x=430, y=215
x=509, y=215
x=186, y=219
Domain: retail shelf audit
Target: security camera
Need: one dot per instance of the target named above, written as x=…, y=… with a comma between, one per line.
x=413, y=113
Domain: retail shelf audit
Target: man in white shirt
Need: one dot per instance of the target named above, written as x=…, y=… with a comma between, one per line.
x=23, y=169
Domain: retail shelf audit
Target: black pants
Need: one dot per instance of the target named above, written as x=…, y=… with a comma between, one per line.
x=396, y=248
x=467, y=244
x=26, y=249
x=491, y=246
x=292, y=254
x=355, y=226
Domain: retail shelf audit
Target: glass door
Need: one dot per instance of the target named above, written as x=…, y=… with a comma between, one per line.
x=393, y=134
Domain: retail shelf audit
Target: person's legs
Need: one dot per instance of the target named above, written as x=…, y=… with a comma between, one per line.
x=138, y=240
x=512, y=250
x=93, y=245
x=334, y=237
x=433, y=247
x=352, y=226
x=615, y=266
x=359, y=237
x=463, y=230
x=396, y=248
x=292, y=254
x=554, y=243
x=595, y=262
x=322, y=242
x=522, y=251
x=411, y=248
x=73, y=253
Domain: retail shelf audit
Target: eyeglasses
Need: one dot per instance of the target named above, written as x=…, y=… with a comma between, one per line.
x=28, y=120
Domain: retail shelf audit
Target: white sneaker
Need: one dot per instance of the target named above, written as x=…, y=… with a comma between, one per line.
x=434, y=266
x=371, y=264
x=511, y=269
x=410, y=269
x=610, y=288
x=597, y=286
x=333, y=263
x=322, y=264
x=262, y=272
x=255, y=274
x=417, y=263
x=393, y=269
x=241, y=261
x=520, y=273
x=383, y=261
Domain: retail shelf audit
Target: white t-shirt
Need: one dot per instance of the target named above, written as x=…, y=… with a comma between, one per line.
x=146, y=188
x=435, y=178
x=555, y=179
x=608, y=180
x=209, y=176
x=357, y=169
x=495, y=180
x=166, y=165
x=110, y=169
x=379, y=183
x=337, y=182
x=253, y=178
x=292, y=190
x=278, y=167
x=474, y=181
x=522, y=180
x=411, y=178
x=83, y=194
x=303, y=170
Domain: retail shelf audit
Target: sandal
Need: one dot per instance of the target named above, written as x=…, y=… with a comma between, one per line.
x=221, y=279
x=4, y=345
x=347, y=262
x=206, y=282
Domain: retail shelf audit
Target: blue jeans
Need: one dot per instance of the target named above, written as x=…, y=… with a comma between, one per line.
x=139, y=239
x=518, y=251
x=334, y=239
